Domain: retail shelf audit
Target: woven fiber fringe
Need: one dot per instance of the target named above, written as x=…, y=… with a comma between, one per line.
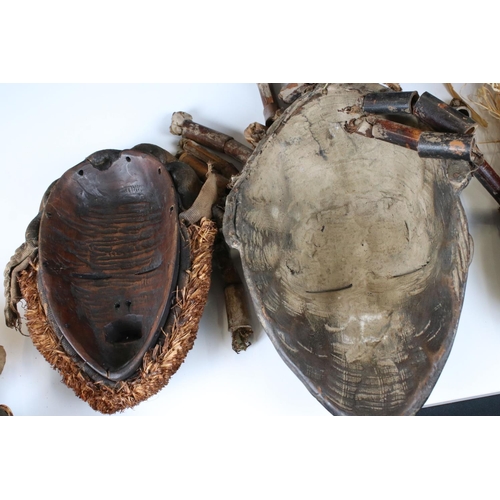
x=159, y=363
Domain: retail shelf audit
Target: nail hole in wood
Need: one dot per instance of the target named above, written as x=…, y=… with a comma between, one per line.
x=80, y=172
x=127, y=158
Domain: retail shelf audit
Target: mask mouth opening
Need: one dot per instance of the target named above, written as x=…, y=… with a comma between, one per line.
x=124, y=330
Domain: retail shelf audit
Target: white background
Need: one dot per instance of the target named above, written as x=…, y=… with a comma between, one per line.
x=46, y=129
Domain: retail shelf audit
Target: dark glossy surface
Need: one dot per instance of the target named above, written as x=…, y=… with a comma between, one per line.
x=109, y=243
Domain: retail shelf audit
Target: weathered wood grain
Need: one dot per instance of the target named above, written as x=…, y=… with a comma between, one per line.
x=356, y=255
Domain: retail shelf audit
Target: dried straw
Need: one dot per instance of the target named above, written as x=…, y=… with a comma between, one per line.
x=159, y=363
x=488, y=95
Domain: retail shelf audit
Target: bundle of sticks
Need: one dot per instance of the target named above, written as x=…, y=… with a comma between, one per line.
x=206, y=152
x=441, y=131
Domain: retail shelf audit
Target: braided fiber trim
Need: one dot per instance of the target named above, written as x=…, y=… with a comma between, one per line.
x=159, y=363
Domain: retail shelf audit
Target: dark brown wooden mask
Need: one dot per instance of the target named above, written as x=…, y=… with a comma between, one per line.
x=108, y=258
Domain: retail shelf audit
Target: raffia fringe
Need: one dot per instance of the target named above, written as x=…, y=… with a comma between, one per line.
x=159, y=363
